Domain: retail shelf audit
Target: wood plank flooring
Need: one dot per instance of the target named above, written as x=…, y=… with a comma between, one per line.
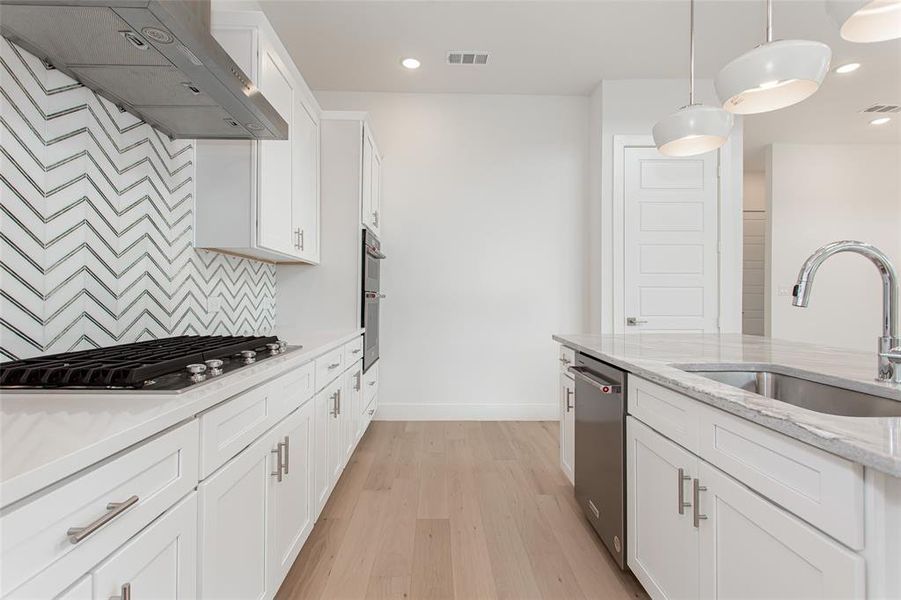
x=455, y=510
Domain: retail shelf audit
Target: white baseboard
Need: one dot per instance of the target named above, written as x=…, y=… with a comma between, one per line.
x=467, y=412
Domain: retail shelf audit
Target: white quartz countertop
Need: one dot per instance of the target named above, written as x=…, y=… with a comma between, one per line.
x=872, y=442
x=47, y=436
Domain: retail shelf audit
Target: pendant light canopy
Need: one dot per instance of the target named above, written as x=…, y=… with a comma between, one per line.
x=773, y=75
x=867, y=20
x=694, y=128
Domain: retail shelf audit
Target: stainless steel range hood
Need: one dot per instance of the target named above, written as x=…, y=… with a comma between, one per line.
x=153, y=58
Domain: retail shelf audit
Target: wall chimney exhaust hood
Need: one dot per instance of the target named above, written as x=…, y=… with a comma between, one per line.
x=154, y=58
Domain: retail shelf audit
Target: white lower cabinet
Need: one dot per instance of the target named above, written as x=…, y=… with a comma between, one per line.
x=662, y=546
x=568, y=426
x=290, y=517
x=233, y=508
x=159, y=562
x=351, y=409
x=750, y=548
x=327, y=452
x=698, y=533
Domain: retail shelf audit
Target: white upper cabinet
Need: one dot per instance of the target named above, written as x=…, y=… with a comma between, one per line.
x=371, y=199
x=261, y=198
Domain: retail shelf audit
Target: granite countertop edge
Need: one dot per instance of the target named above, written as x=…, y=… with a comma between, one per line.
x=827, y=432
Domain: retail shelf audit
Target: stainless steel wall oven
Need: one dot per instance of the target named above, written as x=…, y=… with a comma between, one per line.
x=372, y=296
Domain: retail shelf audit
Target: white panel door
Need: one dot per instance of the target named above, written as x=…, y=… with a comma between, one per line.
x=670, y=242
x=276, y=164
x=750, y=548
x=290, y=518
x=159, y=562
x=662, y=545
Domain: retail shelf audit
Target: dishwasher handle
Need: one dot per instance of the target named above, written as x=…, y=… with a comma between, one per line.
x=590, y=377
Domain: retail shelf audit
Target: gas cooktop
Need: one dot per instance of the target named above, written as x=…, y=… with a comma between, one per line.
x=169, y=364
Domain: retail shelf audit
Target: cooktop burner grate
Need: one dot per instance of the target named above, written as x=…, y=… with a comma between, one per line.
x=125, y=366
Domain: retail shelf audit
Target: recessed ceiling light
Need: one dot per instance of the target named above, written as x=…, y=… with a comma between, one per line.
x=410, y=63
x=880, y=121
x=847, y=68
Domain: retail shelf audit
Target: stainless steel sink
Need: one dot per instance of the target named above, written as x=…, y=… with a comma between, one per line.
x=811, y=395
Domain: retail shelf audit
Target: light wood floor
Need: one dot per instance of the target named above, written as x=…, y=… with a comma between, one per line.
x=455, y=510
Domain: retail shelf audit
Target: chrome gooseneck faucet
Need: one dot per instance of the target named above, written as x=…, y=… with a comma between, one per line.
x=889, y=341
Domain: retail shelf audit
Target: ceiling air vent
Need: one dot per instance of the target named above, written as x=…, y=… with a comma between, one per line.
x=882, y=108
x=467, y=57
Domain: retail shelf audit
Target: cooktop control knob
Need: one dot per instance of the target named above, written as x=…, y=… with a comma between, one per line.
x=273, y=348
x=282, y=346
x=215, y=366
x=249, y=356
x=197, y=372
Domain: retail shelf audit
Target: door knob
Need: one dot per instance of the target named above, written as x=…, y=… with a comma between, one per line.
x=633, y=321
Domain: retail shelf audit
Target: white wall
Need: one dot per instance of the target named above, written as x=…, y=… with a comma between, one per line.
x=484, y=205
x=818, y=194
x=631, y=107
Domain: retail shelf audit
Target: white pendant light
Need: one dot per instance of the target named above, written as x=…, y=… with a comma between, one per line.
x=695, y=128
x=867, y=20
x=773, y=75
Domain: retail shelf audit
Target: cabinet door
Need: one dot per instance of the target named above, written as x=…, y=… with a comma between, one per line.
x=159, y=562
x=291, y=499
x=350, y=411
x=305, y=203
x=233, y=507
x=327, y=442
x=335, y=437
x=751, y=548
x=567, y=427
x=366, y=192
x=662, y=545
x=376, y=194
x=274, y=179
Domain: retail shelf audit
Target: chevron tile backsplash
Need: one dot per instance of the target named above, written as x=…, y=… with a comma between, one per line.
x=96, y=231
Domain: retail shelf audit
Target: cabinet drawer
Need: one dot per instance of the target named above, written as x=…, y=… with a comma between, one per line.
x=353, y=351
x=370, y=384
x=567, y=357
x=228, y=428
x=293, y=389
x=37, y=552
x=820, y=488
x=328, y=367
x=670, y=413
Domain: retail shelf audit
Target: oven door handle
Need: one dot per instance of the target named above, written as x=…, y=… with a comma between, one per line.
x=603, y=386
x=376, y=254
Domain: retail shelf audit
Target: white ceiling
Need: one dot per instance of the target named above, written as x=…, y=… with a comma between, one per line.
x=563, y=47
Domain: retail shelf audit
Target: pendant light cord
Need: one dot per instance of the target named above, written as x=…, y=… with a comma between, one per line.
x=769, y=21
x=691, y=54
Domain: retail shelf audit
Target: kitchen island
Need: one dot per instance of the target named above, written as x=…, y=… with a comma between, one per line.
x=731, y=493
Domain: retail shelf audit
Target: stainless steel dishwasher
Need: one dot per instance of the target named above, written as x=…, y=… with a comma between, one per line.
x=600, y=469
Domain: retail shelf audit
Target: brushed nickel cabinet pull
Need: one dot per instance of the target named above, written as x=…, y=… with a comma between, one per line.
x=697, y=488
x=334, y=366
x=287, y=454
x=334, y=411
x=125, y=594
x=277, y=473
x=339, y=402
x=76, y=534
x=682, y=503
x=359, y=384
x=569, y=405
